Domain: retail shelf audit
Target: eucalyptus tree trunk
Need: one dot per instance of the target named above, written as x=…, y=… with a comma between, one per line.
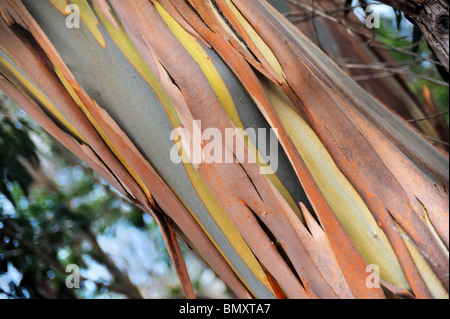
x=346, y=200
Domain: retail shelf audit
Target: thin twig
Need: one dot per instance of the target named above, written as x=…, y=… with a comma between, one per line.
x=429, y=117
x=10, y=295
x=370, y=40
x=388, y=47
x=393, y=73
x=380, y=67
x=389, y=72
x=438, y=141
x=316, y=32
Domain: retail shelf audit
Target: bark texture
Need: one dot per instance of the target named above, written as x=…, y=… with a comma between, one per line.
x=431, y=16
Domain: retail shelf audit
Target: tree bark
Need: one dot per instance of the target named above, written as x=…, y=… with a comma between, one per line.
x=431, y=17
x=370, y=179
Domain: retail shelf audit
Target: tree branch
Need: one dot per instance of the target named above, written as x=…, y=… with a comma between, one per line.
x=432, y=18
x=408, y=7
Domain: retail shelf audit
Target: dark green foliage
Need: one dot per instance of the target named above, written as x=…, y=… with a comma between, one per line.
x=419, y=62
x=43, y=228
x=15, y=146
x=54, y=209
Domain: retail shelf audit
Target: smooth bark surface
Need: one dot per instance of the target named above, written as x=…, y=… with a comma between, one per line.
x=357, y=185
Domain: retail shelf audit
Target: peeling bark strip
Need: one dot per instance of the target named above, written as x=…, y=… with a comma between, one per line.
x=432, y=17
x=379, y=190
x=329, y=116
x=52, y=86
x=170, y=238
